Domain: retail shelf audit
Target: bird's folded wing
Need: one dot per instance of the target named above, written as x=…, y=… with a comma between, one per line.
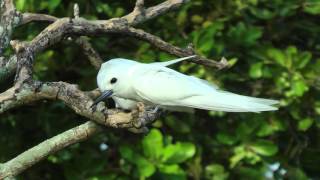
x=164, y=86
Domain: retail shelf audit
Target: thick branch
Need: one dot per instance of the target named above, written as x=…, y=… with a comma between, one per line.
x=9, y=18
x=76, y=99
x=50, y=146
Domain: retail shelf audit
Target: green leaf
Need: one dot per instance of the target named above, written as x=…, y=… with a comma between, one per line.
x=239, y=154
x=182, y=17
x=317, y=107
x=145, y=168
x=204, y=40
x=152, y=144
x=262, y=13
x=172, y=172
x=244, y=35
x=226, y=138
x=296, y=173
x=299, y=87
x=246, y=128
x=232, y=62
x=303, y=59
x=312, y=7
x=264, y=147
x=305, y=124
x=197, y=19
x=216, y=172
x=53, y=4
x=173, y=122
x=127, y=153
x=20, y=4
x=178, y=153
x=265, y=129
x=256, y=70
x=277, y=56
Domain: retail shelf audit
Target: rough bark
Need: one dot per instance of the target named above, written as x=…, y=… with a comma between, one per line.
x=9, y=18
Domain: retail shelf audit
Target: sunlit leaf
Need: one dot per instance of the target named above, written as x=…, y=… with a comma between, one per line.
x=216, y=172
x=277, y=56
x=312, y=6
x=305, y=124
x=172, y=172
x=145, y=168
x=256, y=70
x=177, y=153
x=153, y=144
x=264, y=147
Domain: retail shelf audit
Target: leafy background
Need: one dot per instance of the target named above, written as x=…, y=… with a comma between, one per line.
x=273, y=48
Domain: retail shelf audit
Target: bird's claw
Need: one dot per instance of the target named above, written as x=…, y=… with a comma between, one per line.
x=153, y=109
x=146, y=115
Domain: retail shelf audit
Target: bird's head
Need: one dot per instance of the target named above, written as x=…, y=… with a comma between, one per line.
x=113, y=78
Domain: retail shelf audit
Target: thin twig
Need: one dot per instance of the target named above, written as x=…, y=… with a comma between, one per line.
x=76, y=11
x=93, y=56
x=174, y=50
x=32, y=17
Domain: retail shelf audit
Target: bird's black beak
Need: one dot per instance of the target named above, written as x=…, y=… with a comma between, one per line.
x=105, y=94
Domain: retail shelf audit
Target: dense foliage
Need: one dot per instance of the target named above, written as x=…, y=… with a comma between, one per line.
x=273, y=49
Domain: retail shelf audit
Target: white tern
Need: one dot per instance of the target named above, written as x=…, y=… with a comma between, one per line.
x=128, y=104
x=129, y=82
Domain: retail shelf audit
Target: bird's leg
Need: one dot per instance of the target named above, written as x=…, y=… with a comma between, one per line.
x=145, y=116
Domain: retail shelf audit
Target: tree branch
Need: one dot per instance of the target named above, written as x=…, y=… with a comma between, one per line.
x=84, y=43
x=137, y=16
x=31, y=17
x=174, y=50
x=56, y=31
x=93, y=56
x=50, y=146
x=74, y=98
x=7, y=67
x=9, y=18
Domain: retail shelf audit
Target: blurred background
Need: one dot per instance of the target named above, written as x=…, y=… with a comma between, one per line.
x=273, y=48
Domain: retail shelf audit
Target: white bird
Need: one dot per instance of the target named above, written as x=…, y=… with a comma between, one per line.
x=156, y=85
x=128, y=104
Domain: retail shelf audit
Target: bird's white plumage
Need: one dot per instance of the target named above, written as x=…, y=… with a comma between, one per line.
x=128, y=104
x=155, y=84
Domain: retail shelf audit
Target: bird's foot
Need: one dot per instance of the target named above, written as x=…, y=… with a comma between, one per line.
x=153, y=109
x=146, y=115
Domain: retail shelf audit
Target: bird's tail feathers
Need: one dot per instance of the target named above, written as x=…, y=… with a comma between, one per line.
x=230, y=102
x=171, y=62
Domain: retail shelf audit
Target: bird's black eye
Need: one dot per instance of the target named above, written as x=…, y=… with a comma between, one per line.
x=113, y=80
